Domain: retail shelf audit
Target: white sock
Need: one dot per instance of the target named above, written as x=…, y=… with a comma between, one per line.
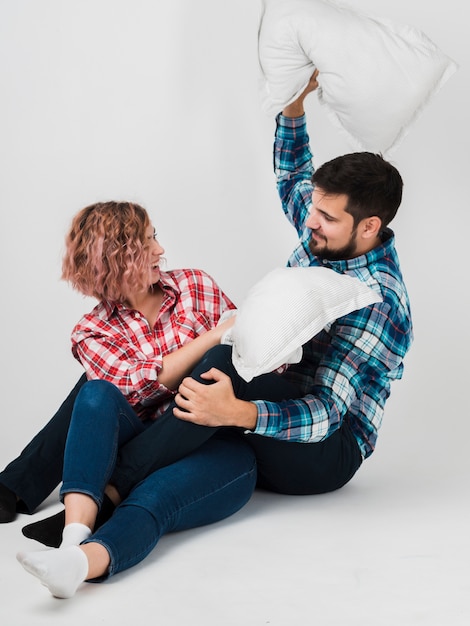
x=61, y=570
x=73, y=534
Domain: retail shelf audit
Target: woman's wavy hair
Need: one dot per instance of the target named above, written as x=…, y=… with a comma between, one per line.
x=107, y=253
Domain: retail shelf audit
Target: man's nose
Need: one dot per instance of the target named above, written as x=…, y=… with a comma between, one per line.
x=312, y=221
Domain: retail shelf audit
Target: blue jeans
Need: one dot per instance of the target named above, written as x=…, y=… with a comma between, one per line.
x=284, y=466
x=287, y=467
x=102, y=421
x=37, y=471
x=206, y=486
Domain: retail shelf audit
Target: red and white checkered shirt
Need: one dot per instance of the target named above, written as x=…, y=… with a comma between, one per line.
x=117, y=344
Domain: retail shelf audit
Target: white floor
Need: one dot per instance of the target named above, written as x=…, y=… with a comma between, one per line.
x=391, y=548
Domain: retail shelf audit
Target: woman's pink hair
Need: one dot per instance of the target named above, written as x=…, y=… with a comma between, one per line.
x=107, y=252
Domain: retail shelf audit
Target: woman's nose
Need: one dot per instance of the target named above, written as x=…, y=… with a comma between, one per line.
x=158, y=249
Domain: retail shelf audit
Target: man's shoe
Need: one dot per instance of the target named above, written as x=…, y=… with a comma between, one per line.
x=48, y=531
x=7, y=505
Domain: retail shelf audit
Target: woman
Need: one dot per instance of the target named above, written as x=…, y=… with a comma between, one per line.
x=147, y=332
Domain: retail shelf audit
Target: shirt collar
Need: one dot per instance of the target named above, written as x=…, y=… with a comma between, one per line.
x=168, y=283
x=171, y=293
x=171, y=290
x=365, y=260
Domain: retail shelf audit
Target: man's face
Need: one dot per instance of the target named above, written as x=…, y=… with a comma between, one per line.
x=333, y=236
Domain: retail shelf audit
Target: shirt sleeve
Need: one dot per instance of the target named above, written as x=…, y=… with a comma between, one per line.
x=293, y=168
x=206, y=298
x=360, y=358
x=108, y=354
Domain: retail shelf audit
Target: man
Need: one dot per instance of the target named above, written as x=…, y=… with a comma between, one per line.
x=316, y=442
x=314, y=438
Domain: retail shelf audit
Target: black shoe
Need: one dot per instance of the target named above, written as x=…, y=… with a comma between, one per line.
x=49, y=531
x=7, y=505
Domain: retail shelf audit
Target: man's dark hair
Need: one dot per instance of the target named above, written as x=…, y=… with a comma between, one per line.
x=374, y=186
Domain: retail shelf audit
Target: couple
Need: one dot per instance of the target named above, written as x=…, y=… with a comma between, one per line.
x=183, y=441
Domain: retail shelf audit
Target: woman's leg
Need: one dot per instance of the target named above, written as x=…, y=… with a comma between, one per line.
x=102, y=420
x=37, y=471
x=208, y=485
x=170, y=439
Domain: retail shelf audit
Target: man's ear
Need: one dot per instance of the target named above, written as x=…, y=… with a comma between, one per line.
x=371, y=227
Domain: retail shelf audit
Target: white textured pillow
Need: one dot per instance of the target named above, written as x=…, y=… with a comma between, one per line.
x=285, y=309
x=375, y=76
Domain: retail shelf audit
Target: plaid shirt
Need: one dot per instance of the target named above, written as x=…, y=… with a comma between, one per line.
x=346, y=369
x=116, y=343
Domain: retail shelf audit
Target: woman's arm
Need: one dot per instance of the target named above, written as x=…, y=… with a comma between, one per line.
x=178, y=364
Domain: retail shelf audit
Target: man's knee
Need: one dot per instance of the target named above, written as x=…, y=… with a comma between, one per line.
x=219, y=357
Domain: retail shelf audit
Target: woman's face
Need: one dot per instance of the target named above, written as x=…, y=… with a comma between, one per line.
x=155, y=253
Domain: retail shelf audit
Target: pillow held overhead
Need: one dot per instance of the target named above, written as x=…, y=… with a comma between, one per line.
x=285, y=309
x=375, y=76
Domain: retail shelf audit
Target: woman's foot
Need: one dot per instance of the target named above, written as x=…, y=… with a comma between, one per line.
x=7, y=505
x=74, y=534
x=61, y=571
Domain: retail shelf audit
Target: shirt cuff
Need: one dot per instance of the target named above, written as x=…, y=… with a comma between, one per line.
x=268, y=420
x=289, y=127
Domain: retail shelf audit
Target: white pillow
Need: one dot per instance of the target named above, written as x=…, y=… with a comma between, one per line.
x=375, y=76
x=285, y=309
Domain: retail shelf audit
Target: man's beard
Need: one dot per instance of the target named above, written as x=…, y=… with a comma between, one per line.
x=346, y=252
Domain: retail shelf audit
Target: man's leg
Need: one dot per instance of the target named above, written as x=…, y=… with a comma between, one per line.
x=306, y=468
x=37, y=471
x=170, y=439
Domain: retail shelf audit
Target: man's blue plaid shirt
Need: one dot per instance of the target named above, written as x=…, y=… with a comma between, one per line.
x=346, y=369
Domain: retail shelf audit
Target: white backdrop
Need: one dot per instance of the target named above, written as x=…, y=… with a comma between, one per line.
x=158, y=102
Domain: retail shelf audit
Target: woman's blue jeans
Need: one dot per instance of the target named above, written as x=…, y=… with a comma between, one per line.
x=102, y=421
x=206, y=486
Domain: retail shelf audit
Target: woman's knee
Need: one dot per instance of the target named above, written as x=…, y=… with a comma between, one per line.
x=97, y=398
x=95, y=392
